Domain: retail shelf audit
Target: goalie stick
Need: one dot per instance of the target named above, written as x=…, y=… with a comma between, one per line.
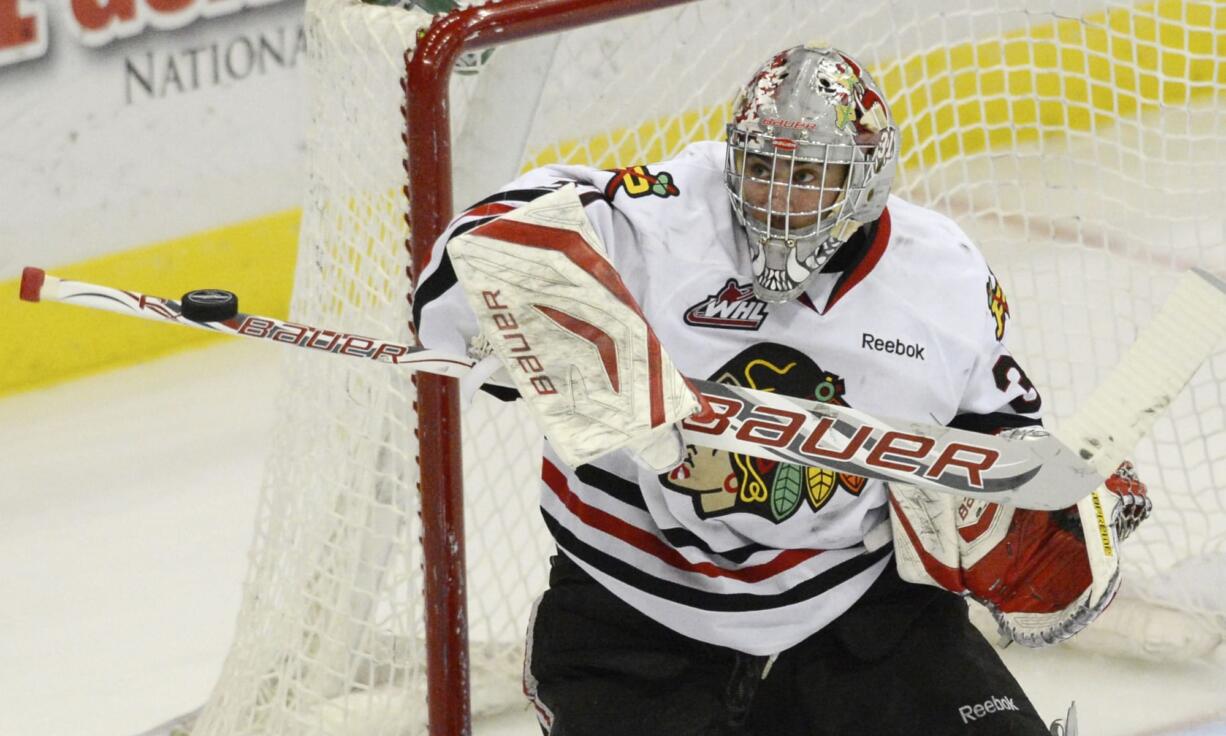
x=1039, y=472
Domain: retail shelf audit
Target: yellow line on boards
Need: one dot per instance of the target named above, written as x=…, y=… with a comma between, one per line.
x=44, y=344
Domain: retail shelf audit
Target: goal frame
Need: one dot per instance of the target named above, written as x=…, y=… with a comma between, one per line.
x=429, y=192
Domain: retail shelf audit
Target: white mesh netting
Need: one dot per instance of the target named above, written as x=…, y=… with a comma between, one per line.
x=1079, y=142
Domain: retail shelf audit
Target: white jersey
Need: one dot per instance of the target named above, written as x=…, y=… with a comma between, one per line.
x=730, y=549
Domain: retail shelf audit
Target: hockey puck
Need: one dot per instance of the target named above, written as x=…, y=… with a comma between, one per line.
x=209, y=305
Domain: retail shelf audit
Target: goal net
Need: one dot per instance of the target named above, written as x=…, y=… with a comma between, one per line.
x=1078, y=141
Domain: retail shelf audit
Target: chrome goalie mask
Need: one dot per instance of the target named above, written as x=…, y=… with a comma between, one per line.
x=811, y=156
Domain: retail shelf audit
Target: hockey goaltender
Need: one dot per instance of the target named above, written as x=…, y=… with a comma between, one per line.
x=697, y=591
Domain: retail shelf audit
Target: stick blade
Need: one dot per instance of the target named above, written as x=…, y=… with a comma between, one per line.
x=1169, y=350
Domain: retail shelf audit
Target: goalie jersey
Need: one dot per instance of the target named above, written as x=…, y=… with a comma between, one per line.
x=907, y=322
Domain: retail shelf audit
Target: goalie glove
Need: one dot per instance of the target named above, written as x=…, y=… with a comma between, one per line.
x=1034, y=570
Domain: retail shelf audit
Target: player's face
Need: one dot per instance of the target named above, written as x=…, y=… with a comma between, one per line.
x=790, y=194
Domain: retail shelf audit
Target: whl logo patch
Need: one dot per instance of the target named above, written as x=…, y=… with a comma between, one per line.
x=734, y=307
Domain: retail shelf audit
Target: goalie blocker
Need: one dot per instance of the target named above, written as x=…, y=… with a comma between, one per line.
x=571, y=336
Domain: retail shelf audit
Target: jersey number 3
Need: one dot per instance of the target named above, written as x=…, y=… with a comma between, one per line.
x=1007, y=372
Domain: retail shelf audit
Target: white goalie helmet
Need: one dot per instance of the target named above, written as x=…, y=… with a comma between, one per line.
x=812, y=151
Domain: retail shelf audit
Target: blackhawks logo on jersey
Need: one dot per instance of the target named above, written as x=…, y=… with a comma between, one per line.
x=997, y=305
x=638, y=181
x=722, y=483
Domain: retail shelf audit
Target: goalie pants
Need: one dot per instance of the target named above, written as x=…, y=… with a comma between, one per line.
x=904, y=659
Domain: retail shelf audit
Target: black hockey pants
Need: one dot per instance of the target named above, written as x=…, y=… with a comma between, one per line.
x=904, y=660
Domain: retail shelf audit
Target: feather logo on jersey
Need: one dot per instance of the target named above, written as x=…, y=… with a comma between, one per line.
x=638, y=181
x=722, y=483
x=733, y=307
x=997, y=305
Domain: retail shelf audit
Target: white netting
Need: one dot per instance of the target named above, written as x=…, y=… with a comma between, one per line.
x=1080, y=143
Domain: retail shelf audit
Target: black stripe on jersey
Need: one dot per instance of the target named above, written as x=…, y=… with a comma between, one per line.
x=513, y=195
x=587, y=194
x=680, y=538
x=444, y=276
x=433, y=287
x=629, y=493
x=594, y=195
x=623, y=490
x=723, y=602
x=992, y=423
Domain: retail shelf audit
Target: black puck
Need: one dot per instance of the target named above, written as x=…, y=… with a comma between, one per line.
x=209, y=305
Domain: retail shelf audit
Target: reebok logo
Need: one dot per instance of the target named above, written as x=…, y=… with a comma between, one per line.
x=869, y=341
x=992, y=705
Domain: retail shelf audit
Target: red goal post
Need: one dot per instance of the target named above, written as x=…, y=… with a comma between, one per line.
x=428, y=140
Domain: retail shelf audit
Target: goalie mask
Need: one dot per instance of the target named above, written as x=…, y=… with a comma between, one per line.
x=811, y=155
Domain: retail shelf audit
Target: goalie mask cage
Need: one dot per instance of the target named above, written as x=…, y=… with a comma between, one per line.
x=1079, y=142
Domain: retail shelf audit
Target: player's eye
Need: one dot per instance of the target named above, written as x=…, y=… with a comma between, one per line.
x=759, y=170
x=806, y=176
